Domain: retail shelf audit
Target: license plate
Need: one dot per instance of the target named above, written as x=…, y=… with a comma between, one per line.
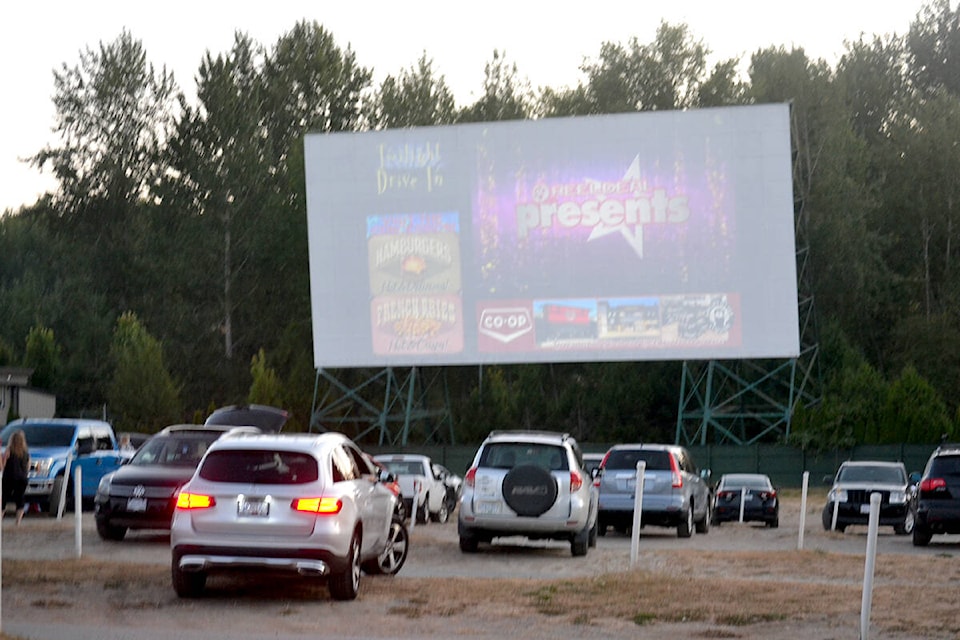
x=137, y=504
x=486, y=508
x=253, y=508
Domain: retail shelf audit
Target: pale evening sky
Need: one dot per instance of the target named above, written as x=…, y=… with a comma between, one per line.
x=546, y=40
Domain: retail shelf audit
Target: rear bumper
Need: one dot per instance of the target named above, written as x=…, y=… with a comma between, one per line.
x=310, y=562
x=937, y=517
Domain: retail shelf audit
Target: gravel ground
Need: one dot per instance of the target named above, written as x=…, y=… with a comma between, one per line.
x=386, y=608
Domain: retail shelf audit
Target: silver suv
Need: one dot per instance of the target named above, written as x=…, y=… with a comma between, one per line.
x=531, y=484
x=308, y=504
x=675, y=492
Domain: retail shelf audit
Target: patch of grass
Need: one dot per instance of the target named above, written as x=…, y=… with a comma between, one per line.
x=744, y=619
x=411, y=612
x=49, y=603
x=641, y=619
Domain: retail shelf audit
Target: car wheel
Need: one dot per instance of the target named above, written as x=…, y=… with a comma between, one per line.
x=921, y=536
x=906, y=527
x=529, y=490
x=469, y=543
x=394, y=554
x=422, y=513
x=685, y=528
x=593, y=535
x=110, y=533
x=187, y=584
x=827, y=516
x=773, y=524
x=345, y=584
x=442, y=514
x=57, y=493
x=703, y=526
x=580, y=542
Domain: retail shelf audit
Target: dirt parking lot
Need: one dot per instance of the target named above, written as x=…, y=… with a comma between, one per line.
x=737, y=581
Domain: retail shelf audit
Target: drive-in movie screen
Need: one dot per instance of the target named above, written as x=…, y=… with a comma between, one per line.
x=643, y=236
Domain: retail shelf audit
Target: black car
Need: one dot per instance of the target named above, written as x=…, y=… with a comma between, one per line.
x=848, y=502
x=142, y=493
x=754, y=492
x=937, y=501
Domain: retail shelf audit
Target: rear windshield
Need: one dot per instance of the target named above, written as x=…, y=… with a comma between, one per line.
x=507, y=455
x=880, y=475
x=628, y=459
x=403, y=468
x=945, y=466
x=259, y=467
x=744, y=483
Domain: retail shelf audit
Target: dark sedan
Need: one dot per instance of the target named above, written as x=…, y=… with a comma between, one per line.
x=142, y=493
x=746, y=497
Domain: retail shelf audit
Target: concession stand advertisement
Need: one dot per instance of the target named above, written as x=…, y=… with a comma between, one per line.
x=643, y=236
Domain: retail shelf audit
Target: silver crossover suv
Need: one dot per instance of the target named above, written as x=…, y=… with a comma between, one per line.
x=308, y=504
x=675, y=492
x=531, y=484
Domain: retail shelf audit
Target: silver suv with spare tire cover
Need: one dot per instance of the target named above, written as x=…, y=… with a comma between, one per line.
x=531, y=484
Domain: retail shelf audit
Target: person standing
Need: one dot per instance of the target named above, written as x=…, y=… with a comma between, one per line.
x=15, y=466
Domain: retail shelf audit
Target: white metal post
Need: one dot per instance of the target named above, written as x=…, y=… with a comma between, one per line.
x=869, y=565
x=78, y=510
x=637, y=512
x=836, y=510
x=743, y=500
x=413, y=505
x=803, y=508
x=63, y=488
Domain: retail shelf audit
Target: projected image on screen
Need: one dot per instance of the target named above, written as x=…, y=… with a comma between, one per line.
x=665, y=235
x=414, y=268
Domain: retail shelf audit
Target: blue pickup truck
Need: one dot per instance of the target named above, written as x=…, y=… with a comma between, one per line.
x=90, y=445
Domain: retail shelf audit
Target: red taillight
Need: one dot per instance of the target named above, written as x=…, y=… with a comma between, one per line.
x=724, y=495
x=322, y=506
x=471, y=477
x=932, y=484
x=677, y=478
x=576, y=481
x=194, y=501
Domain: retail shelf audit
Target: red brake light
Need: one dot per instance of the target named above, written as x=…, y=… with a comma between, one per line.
x=932, y=484
x=471, y=477
x=321, y=506
x=194, y=501
x=576, y=481
x=677, y=478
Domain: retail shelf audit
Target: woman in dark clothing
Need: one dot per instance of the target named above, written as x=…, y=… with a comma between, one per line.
x=15, y=465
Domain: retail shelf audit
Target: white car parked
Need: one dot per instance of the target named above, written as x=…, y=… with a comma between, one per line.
x=421, y=483
x=312, y=505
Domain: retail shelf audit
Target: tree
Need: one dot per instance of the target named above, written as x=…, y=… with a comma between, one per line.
x=504, y=97
x=266, y=387
x=416, y=97
x=914, y=412
x=142, y=394
x=42, y=354
x=113, y=114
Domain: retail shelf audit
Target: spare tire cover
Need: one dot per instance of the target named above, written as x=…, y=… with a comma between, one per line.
x=529, y=490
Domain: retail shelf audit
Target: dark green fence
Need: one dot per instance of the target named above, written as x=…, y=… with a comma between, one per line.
x=785, y=465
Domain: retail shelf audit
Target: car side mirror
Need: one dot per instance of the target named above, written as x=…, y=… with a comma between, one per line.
x=705, y=474
x=915, y=477
x=84, y=446
x=386, y=476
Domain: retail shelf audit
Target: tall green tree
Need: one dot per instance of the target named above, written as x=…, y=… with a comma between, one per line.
x=142, y=394
x=505, y=95
x=42, y=354
x=416, y=97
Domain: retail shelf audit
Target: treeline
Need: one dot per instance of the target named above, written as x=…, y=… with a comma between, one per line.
x=168, y=273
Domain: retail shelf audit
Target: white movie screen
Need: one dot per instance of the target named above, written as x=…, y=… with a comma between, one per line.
x=642, y=236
